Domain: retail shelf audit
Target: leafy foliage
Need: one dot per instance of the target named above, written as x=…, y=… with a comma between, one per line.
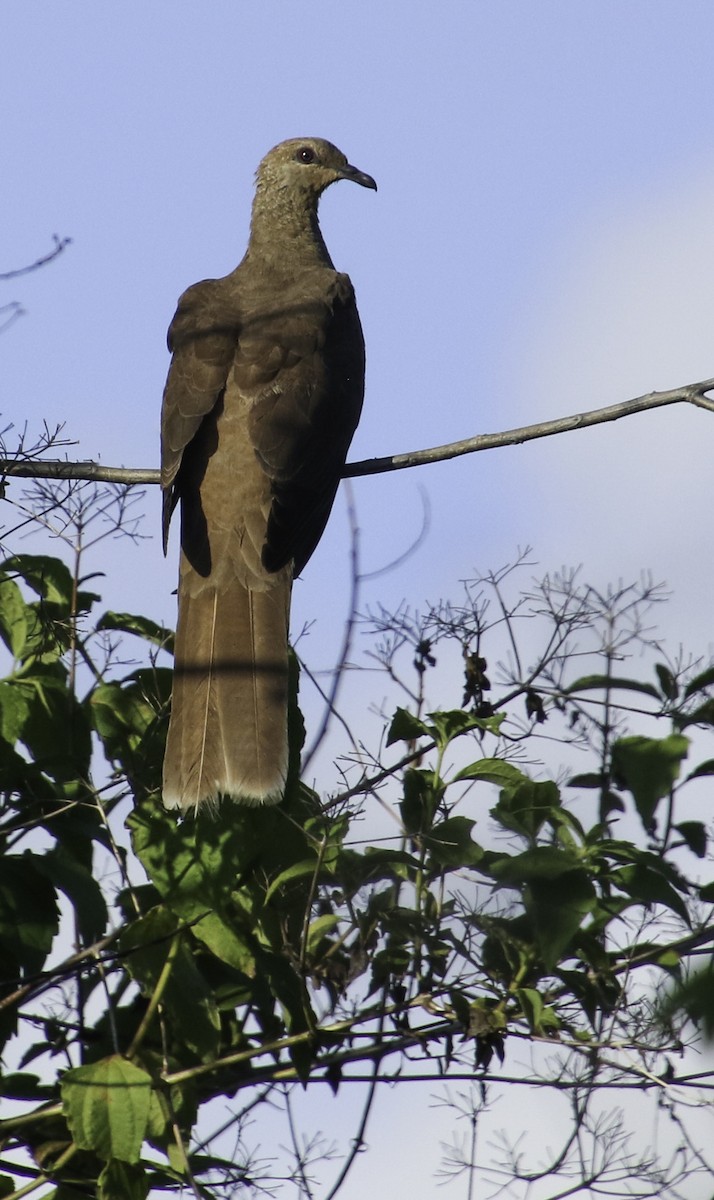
x=251, y=949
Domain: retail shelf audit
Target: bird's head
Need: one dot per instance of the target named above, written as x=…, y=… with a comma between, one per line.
x=307, y=166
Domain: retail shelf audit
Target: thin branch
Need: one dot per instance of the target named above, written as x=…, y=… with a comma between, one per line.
x=358, y=1140
x=183, y=1155
x=693, y=393
x=91, y=472
x=45, y=979
x=300, y=1161
x=43, y=1177
x=14, y=310
x=59, y=245
x=338, y=673
x=156, y=996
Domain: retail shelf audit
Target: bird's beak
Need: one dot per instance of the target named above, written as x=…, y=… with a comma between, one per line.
x=350, y=172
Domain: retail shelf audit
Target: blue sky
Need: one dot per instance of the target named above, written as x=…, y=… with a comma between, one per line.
x=541, y=243
x=513, y=144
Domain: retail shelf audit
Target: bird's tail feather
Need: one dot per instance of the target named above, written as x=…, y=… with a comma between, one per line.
x=228, y=729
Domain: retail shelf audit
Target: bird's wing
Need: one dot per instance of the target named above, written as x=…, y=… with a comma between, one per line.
x=202, y=338
x=303, y=419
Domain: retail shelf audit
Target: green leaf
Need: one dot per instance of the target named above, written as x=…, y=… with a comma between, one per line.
x=667, y=682
x=405, y=727
x=122, y=1181
x=14, y=710
x=49, y=577
x=75, y=821
x=203, y=857
x=493, y=770
x=298, y=870
x=704, y=680
x=609, y=801
x=450, y=844
x=123, y=711
x=224, y=940
x=694, y=834
x=129, y=716
x=532, y=1004
x=392, y=962
x=596, y=990
x=648, y=768
x=291, y=993
x=85, y=601
x=558, y=908
x=525, y=808
x=695, y=997
x=508, y=951
x=80, y=887
x=22, y=1085
x=670, y=960
x=703, y=715
x=704, y=768
x=188, y=1000
x=445, y=726
x=589, y=683
x=486, y=1016
x=358, y=870
x=535, y=707
x=178, y=1103
x=106, y=1104
x=542, y=863
x=421, y=800
x=56, y=730
x=646, y=883
x=319, y=928
x=29, y=918
x=14, y=617
x=142, y=627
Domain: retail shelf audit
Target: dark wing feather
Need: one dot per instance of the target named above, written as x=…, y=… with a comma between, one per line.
x=202, y=337
x=302, y=427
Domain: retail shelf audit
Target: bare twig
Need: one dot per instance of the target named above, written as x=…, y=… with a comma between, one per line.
x=13, y=310
x=59, y=245
x=693, y=393
x=358, y=1140
x=338, y=673
x=52, y=468
x=45, y=979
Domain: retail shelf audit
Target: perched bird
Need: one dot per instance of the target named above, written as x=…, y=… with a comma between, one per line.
x=263, y=395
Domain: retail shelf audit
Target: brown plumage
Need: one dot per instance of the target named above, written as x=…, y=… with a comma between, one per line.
x=262, y=399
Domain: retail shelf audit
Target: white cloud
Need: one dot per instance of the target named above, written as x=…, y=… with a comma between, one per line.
x=628, y=310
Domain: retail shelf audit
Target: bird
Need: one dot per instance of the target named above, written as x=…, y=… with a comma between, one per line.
x=263, y=396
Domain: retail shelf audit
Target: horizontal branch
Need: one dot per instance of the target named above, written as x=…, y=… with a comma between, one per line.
x=693, y=393
x=89, y=472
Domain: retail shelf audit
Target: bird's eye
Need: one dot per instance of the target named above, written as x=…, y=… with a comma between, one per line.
x=306, y=154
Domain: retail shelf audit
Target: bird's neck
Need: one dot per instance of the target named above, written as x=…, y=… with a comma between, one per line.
x=284, y=230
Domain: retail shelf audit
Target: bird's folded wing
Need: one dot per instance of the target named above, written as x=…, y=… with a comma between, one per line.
x=302, y=424
x=202, y=337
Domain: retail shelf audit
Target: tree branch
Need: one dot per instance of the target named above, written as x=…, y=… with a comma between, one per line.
x=693, y=393
x=59, y=245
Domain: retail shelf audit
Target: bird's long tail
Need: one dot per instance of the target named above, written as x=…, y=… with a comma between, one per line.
x=228, y=729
